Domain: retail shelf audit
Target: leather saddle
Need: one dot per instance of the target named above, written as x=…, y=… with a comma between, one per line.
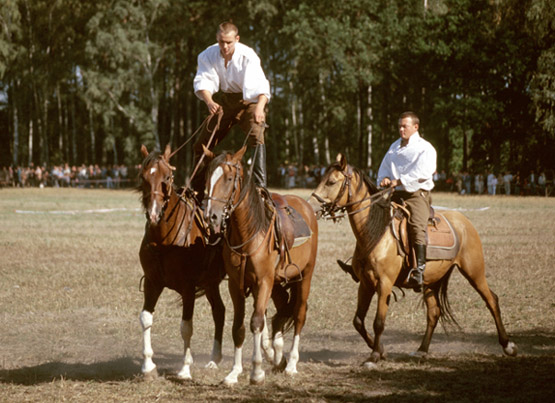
x=291, y=231
x=443, y=243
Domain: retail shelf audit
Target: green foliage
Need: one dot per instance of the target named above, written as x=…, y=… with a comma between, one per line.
x=94, y=80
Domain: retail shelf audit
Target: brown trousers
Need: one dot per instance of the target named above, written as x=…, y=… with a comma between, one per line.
x=234, y=111
x=418, y=203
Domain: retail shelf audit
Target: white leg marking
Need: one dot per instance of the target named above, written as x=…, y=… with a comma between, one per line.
x=186, y=334
x=257, y=373
x=511, y=350
x=216, y=356
x=146, y=324
x=278, y=348
x=291, y=368
x=231, y=378
x=218, y=172
x=267, y=343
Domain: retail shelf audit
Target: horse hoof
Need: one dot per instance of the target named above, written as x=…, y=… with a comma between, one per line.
x=281, y=366
x=291, y=372
x=257, y=381
x=418, y=354
x=151, y=375
x=229, y=382
x=511, y=350
x=211, y=365
x=370, y=365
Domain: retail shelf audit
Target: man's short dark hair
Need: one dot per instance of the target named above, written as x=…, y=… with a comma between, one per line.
x=412, y=115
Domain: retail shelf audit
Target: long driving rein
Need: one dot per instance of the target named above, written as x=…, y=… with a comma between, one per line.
x=329, y=210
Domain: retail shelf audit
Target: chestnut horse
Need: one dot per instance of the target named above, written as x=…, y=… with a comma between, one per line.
x=174, y=254
x=378, y=265
x=254, y=264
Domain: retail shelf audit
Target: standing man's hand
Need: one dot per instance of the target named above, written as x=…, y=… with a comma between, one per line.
x=259, y=115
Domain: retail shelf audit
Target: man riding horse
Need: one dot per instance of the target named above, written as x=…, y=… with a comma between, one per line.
x=408, y=166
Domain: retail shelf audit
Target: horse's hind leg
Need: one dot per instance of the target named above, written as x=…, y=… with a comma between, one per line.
x=280, y=297
x=237, y=331
x=433, y=313
x=151, y=294
x=261, y=295
x=477, y=279
x=188, y=296
x=218, y=314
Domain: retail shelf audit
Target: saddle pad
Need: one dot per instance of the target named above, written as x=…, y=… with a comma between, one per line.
x=443, y=242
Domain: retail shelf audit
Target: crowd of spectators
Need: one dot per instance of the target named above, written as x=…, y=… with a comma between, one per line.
x=83, y=176
x=464, y=183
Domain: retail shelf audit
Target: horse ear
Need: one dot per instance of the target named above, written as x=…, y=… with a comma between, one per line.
x=209, y=154
x=239, y=154
x=342, y=160
x=167, y=152
x=144, y=151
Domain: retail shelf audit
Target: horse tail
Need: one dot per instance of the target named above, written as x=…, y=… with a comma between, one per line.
x=284, y=316
x=446, y=314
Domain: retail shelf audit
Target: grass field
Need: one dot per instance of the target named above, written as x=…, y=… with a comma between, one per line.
x=70, y=301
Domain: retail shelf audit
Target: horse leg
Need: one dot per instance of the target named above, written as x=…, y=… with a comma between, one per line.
x=433, y=313
x=280, y=297
x=267, y=348
x=151, y=294
x=301, y=296
x=479, y=282
x=218, y=314
x=261, y=296
x=237, y=331
x=364, y=299
x=384, y=292
x=188, y=300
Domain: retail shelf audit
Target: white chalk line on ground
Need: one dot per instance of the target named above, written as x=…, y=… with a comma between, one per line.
x=73, y=212
x=461, y=209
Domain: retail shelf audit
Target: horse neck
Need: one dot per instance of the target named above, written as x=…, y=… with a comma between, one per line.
x=358, y=212
x=173, y=228
x=246, y=216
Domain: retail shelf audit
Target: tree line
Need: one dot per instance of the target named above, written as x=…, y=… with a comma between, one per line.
x=89, y=82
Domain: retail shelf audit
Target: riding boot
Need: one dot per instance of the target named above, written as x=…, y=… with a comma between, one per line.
x=259, y=168
x=416, y=275
x=198, y=182
x=347, y=268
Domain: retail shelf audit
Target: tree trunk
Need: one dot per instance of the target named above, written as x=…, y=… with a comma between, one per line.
x=369, y=115
x=15, y=152
x=92, y=136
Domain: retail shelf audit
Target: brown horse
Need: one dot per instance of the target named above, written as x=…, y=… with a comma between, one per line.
x=379, y=266
x=174, y=254
x=255, y=265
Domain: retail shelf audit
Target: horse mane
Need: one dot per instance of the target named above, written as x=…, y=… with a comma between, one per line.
x=259, y=216
x=379, y=216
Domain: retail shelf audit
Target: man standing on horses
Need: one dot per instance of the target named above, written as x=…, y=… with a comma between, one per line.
x=409, y=166
x=235, y=70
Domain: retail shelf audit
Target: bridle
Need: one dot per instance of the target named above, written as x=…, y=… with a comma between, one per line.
x=330, y=210
x=168, y=182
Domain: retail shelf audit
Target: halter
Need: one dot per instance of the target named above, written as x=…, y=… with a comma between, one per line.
x=168, y=181
x=330, y=209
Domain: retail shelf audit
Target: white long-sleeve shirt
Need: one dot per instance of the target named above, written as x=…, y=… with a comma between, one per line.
x=414, y=164
x=243, y=74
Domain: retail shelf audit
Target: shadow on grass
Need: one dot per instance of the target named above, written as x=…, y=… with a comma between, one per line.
x=124, y=368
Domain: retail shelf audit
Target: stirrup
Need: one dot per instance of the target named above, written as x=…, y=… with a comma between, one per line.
x=415, y=279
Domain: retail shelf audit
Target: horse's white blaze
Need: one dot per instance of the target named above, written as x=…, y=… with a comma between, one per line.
x=186, y=334
x=218, y=173
x=237, y=369
x=154, y=208
x=257, y=373
x=152, y=170
x=291, y=368
x=146, y=323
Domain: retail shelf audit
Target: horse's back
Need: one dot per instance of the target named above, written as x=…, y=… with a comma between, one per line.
x=305, y=209
x=471, y=245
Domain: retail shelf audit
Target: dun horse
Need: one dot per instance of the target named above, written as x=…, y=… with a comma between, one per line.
x=379, y=265
x=174, y=254
x=262, y=258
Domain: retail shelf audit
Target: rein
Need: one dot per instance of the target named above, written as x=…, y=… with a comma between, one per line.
x=330, y=209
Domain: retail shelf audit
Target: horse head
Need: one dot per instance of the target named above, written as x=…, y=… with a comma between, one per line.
x=156, y=182
x=224, y=182
x=333, y=192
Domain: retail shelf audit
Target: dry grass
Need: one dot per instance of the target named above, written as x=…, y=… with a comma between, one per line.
x=70, y=301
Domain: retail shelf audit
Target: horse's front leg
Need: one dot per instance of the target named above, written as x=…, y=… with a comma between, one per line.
x=384, y=292
x=151, y=294
x=237, y=331
x=267, y=347
x=218, y=314
x=262, y=296
x=364, y=298
x=188, y=299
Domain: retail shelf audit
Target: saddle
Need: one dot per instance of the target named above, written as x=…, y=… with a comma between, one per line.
x=291, y=231
x=443, y=243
